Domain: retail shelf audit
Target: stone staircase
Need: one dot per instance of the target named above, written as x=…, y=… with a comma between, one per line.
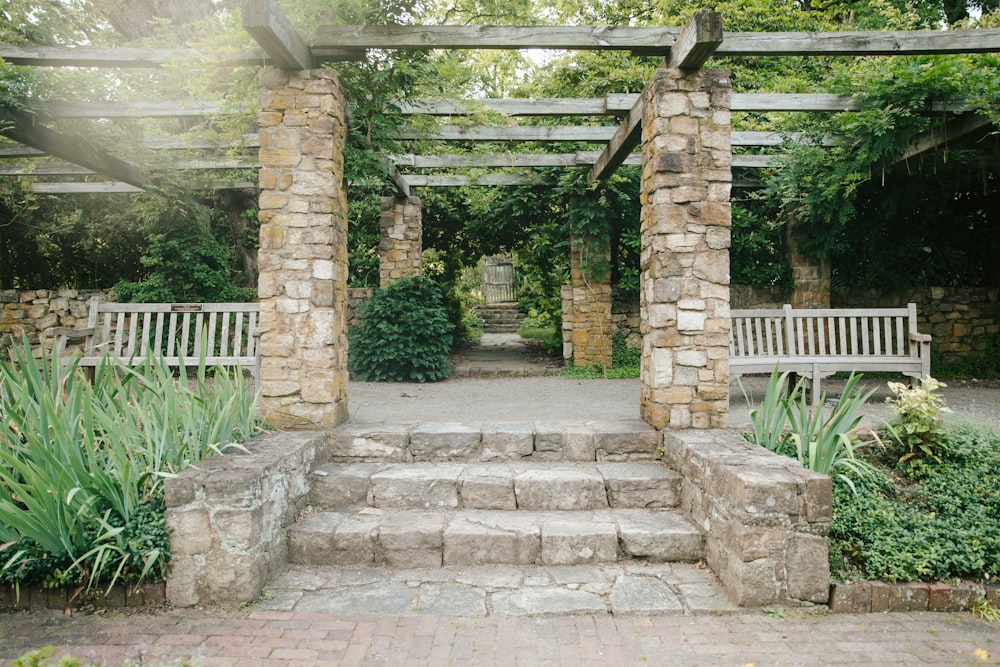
x=453, y=497
x=500, y=317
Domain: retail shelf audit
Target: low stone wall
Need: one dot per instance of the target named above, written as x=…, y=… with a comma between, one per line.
x=228, y=518
x=30, y=312
x=121, y=596
x=748, y=296
x=766, y=519
x=960, y=320
x=865, y=597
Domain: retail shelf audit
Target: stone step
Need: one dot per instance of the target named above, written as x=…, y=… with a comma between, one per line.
x=496, y=486
x=628, y=440
x=432, y=538
x=618, y=589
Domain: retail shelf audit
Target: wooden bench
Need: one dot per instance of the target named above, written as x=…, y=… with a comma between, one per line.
x=175, y=332
x=817, y=343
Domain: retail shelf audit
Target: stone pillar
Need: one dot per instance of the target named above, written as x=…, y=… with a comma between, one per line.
x=810, y=277
x=684, y=261
x=590, y=316
x=303, y=250
x=401, y=244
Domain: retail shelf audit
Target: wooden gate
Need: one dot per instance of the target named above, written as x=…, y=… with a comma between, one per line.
x=498, y=280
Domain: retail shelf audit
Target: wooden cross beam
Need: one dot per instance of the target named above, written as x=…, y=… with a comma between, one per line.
x=126, y=58
x=955, y=129
x=696, y=44
x=266, y=24
x=21, y=126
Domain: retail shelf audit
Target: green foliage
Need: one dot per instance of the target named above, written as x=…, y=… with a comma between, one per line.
x=757, y=256
x=404, y=334
x=918, y=428
x=626, y=362
x=184, y=260
x=539, y=327
x=43, y=657
x=925, y=524
x=827, y=444
x=82, y=465
x=770, y=418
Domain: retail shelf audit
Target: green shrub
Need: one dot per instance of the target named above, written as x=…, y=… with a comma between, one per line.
x=404, y=334
x=918, y=429
x=925, y=524
x=82, y=464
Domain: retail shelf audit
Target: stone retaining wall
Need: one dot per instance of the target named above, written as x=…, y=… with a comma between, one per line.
x=30, y=312
x=765, y=518
x=228, y=518
x=960, y=320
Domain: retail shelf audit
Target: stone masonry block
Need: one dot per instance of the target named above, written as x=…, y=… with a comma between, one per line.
x=343, y=486
x=444, y=440
x=560, y=489
x=807, y=565
x=411, y=539
x=625, y=437
x=637, y=485
x=428, y=486
x=507, y=441
x=369, y=441
x=576, y=542
x=488, y=487
x=659, y=536
x=484, y=537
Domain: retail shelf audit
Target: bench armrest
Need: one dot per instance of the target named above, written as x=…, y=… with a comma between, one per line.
x=920, y=337
x=72, y=334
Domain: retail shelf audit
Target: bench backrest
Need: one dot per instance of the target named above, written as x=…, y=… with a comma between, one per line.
x=175, y=331
x=856, y=332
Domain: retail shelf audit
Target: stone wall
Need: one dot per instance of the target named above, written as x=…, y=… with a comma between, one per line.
x=355, y=297
x=228, y=518
x=401, y=241
x=750, y=296
x=625, y=318
x=303, y=249
x=765, y=517
x=684, y=257
x=960, y=320
x=31, y=312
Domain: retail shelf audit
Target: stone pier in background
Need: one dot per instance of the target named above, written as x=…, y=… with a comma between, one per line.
x=401, y=242
x=684, y=261
x=303, y=250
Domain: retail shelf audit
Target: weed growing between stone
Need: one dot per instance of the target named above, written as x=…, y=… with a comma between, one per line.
x=82, y=463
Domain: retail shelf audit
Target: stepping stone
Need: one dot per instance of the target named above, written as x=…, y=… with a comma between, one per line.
x=436, y=441
x=382, y=598
x=488, y=487
x=643, y=595
x=386, y=442
x=661, y=536
x=544, y=600
x=507, y=441
x=411, y=539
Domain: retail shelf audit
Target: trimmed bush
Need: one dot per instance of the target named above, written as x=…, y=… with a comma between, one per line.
x=404, y=334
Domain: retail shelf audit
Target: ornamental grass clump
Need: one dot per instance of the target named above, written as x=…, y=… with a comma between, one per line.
x=82, y=464
x=404, y=334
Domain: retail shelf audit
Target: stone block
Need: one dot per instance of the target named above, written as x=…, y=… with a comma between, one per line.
x=507, y=441
x=344, y=485
x=659, y=536
x=488, y=488
x=625, y=437
x=431, y=441
x=880, y=594
x=364, y=441
x=640, y=485
x=191, y=531
x=411, y=539
x=484, y=537
x=913, y=596
x=953, y=597
x=643, y=595
x=434, y=486
x=850, y=598
x=807, y=568
x=567, y=541
x=560, y=489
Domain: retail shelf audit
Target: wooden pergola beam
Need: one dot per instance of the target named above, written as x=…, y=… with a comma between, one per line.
x=22, y=127
x=953, y=130
x=649, y=40
x=269, y=27
x=125, y=58
x=699, y=39
x=115, y=186
x=70, y=169
x=626, y=138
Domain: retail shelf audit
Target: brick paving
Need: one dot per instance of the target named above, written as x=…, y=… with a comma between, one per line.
x=253, y=637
